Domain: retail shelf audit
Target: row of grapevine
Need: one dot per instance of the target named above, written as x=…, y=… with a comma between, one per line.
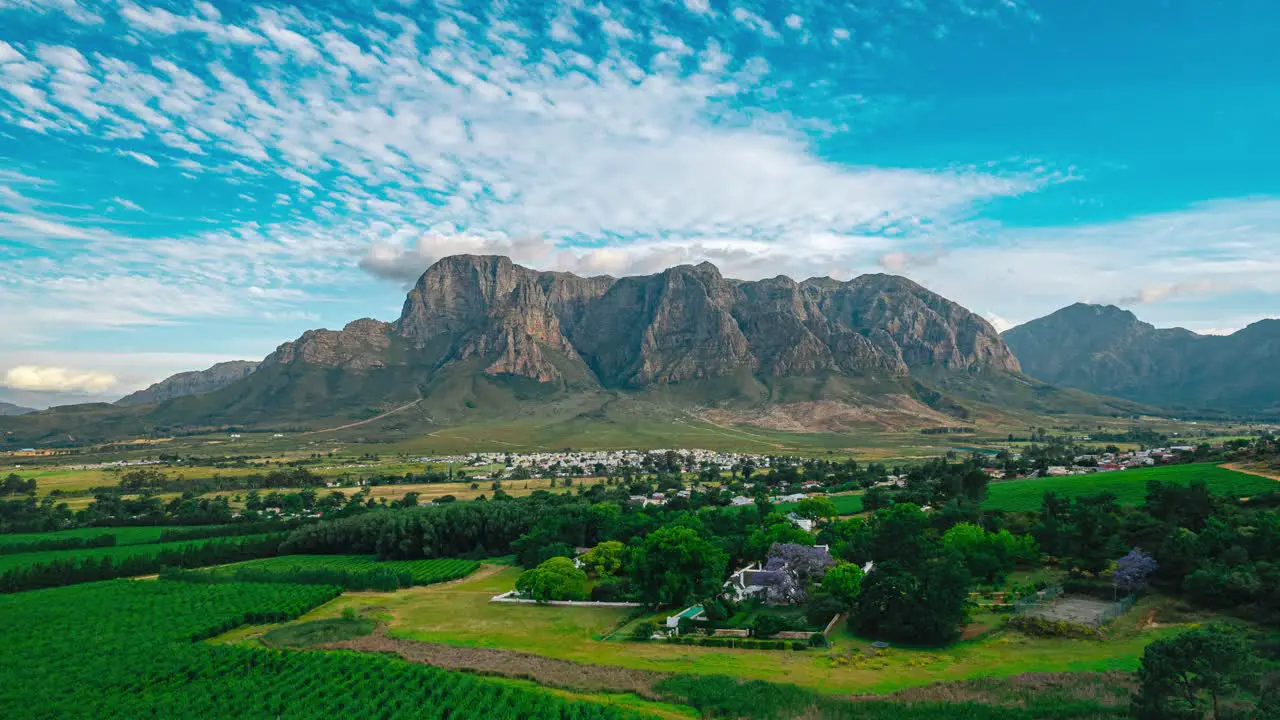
x=129, y=649
x=418, y=572
x=30, y=571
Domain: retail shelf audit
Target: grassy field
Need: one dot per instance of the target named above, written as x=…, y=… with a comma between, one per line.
x=17, y=560
x=424, y=572
x=1130, y=486
x=461, y=614
x=845, y=504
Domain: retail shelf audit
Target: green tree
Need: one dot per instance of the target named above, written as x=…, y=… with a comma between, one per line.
x=554, y=579
x=1191, y=674
x=923, y=604
x=777, y=530
x=604, y=559
x=844, y=582
x=674, y=565
x=816, y=508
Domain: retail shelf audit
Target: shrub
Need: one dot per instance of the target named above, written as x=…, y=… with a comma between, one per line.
x=797, y=645
x=1045, y=627
x=767, y=625
x=817, y=640
x=644, y=630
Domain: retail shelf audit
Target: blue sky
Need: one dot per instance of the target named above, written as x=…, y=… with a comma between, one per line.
x=182, y=183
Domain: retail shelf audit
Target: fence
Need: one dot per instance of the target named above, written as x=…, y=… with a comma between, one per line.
x=1037, y=599
x=1116, y=609
x=511, y=596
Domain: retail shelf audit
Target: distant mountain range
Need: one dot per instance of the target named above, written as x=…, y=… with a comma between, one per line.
x=1106, y=350
x=11, y=409
x=482, y=339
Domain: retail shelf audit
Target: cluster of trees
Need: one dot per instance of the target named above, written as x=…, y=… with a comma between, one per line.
x=1212, y=671
x=379, y=579
x=14, y=484
x=1218, y=552
x=917, y=586
x=554, y=579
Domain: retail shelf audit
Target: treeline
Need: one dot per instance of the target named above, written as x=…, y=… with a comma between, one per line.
x=64, y=543
x=72, y=571
x=236, y=530
x=473, y=529
x=13, y=484
x=376, y=579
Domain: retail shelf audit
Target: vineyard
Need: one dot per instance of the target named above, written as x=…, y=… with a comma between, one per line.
x=95, y=555
x=350, y=572
x=142, y=535
x=128, y=649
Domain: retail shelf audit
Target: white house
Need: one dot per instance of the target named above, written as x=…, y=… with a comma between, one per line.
x=804, y=524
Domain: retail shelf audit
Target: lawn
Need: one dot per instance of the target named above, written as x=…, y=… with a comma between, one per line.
x=461, y=614
x=1129, y=486
x=845, y=504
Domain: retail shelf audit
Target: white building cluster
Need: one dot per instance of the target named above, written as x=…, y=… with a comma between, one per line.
x=587, y=462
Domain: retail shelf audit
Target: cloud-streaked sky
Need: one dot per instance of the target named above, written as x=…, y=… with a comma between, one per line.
x=183, y=183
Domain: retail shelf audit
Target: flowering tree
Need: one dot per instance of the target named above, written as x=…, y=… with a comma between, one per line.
x=1133, y=569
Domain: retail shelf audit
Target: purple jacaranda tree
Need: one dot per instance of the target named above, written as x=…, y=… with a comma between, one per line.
x=1133, y=570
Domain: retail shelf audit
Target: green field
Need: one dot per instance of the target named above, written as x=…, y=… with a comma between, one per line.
x=1129, y=486
x=82, y=556
x=128, y=649
x=461, y=614
x=845, y=504
x=424, y=572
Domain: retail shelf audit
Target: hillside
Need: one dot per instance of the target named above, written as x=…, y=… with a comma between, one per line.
x=191, y=383
x=482, y=339
x=11, y=409
x=1107, y=350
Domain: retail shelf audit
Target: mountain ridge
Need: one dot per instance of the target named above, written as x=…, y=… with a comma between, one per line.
x=1107, y=350
x=191, y=383
x=482, y=339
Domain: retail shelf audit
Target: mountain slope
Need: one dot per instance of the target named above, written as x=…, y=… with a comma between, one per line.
x=11, y=409
x=1107, y=350
x=191, y=383
x=481, y=339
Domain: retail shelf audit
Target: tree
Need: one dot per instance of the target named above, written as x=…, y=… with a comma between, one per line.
x=777, y=530
x=554, y=579
x=1190, y=674
x=1133, y=570
x=674, y=565
x=988, y=556
x=604, y=559
x=816, y=508
x=922, y=604
x=844, y=582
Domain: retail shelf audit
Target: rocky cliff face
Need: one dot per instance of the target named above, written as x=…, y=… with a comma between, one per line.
x=191, y=383
x=1107, y=350
x=685, y=323
x=361, y=345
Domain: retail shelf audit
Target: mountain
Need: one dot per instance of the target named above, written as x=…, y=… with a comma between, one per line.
x=481, y=339
x=1107, y=350
x=11, y=409
x=191, y=383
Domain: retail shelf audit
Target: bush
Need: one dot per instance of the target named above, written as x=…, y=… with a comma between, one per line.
x=1045, y=627
x=817, y=640
x=612, y=590
x=799, y=646
x=767, y=625
x=644, y=630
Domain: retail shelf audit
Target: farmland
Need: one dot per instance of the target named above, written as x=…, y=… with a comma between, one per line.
x=117, y=554
x=142, y=535
x=146, y=630
x=423, y=572
x=460, y=614
x=1129, y=486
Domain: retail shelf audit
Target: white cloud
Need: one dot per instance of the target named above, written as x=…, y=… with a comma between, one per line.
x=140, y=157
x=9, y=53
x=795, y=22
x=700, y=7
x=748, y=19
x=998, y=322
x=70, y=8
x=126, y=204
x=35, y=377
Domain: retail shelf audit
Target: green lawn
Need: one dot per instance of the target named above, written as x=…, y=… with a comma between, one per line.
x=461, y=614
x=1130, y=486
